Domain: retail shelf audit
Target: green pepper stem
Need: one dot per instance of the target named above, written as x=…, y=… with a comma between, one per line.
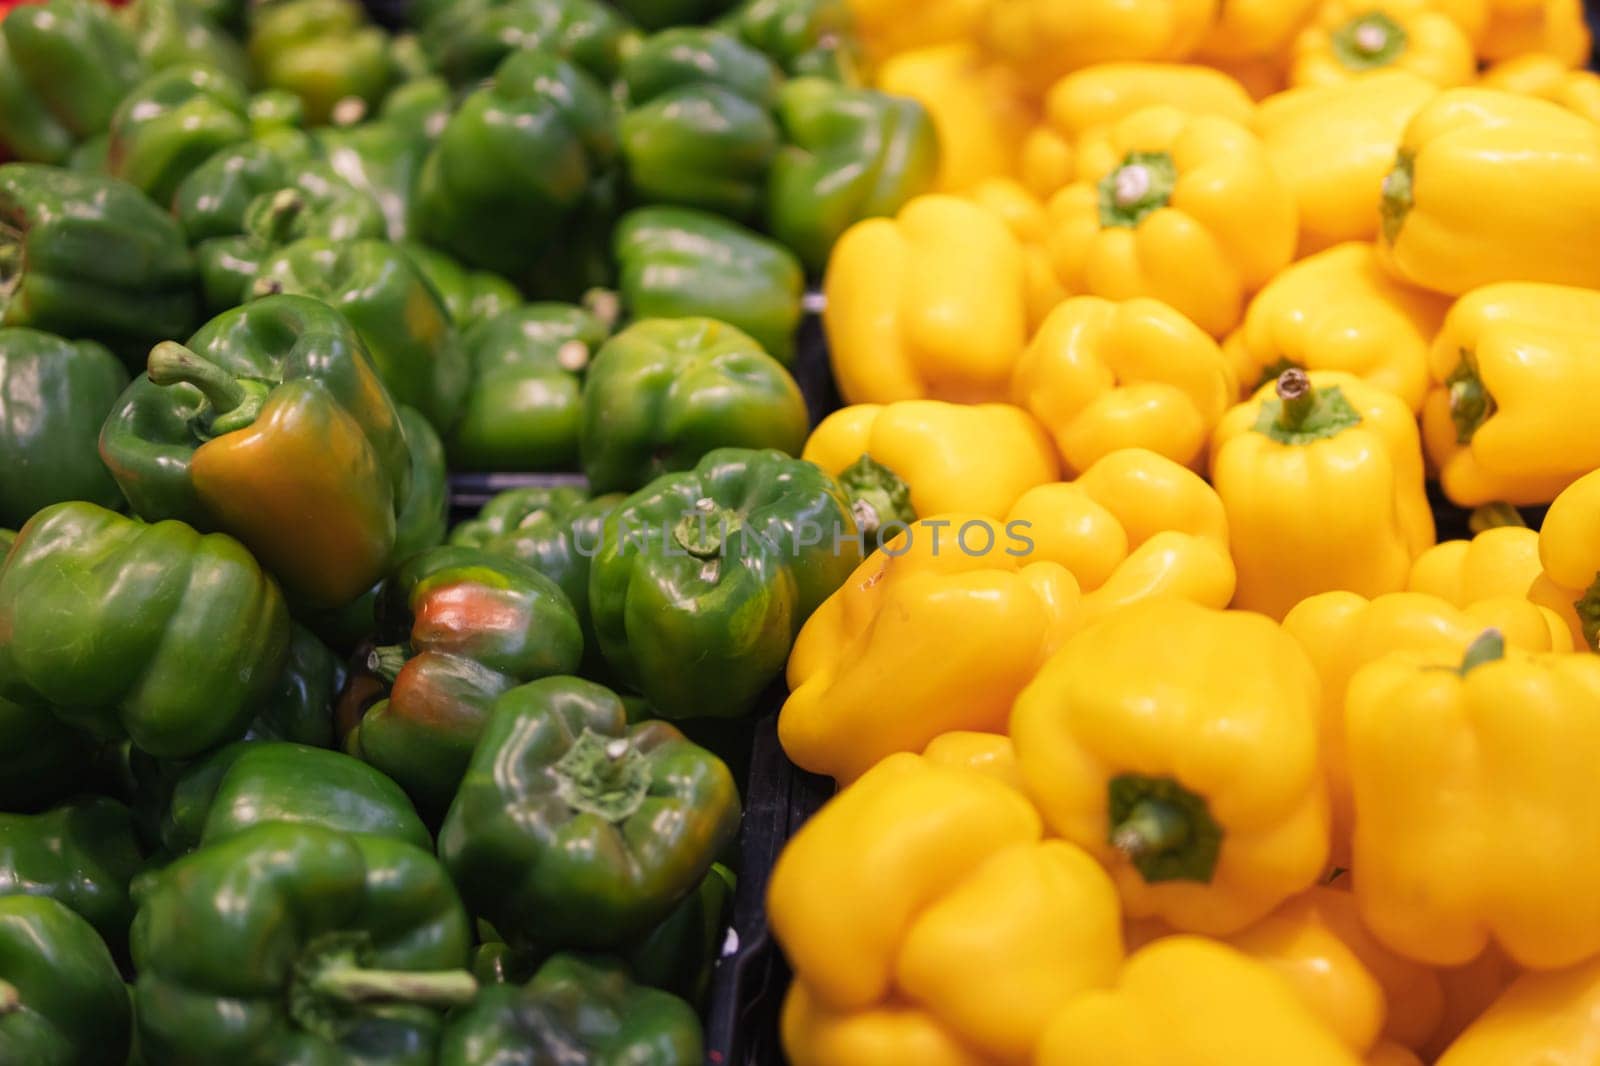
x=1471, y=402
x=603, y=304
x=878, y=496
x=1495, y=516
x=1150, y=828
x=1369, y=41
x=603, y=775
x=1490, y=646
x=429, y=988
x=1299, y=398
x=388, y=660
x=1397, y=196
x=703, y=531
x=10, y=999
x=285, y=208
x=235, y=402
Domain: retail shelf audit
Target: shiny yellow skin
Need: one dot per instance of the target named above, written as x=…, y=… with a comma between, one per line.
x=1435, y=48
x=1101, y=374
x=1544, y=1018
x=988, y=753
x=1342, y=632
x=940, y=897
x=1537, y=352
x=1333, y=145
x=979, y=110
x=1228, y=711
x=1550, y=79
x=931, y=304
x=953, y=457
x=1345, y=512
x=923, y=639
x=1553, y=27
x=1569, y=549
x=1187, y=1001
x=888, y=27
x=1261, y=76
x=1025, y=216
x=1474, y=805
x=1229, y=226
x=1503, y=561
x=1500, y=183
x=1045, y=39
x=1245, y=29
x=1340, y=310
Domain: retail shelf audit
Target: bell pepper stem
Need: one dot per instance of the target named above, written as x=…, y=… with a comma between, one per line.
x=1397, y=196
x=436, y=988
x=1153, y=826
x=1299, y=398
x=1495, y=516
x=1164, y=830
x=1368, y=41
x=235, y=402
x=878, y=496
x=1471, y=402
x=706, y=529
x=603, y=304
x=1143, y=183
x=284, y=210
x=1487, y=648
x=10, y=999
x=388, y=660
x=602, y=775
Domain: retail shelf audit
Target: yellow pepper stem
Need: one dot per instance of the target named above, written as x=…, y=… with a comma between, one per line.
x=1164, y=830
x=1588, y=609
x=1397, y=196
x=235, y=402
x=1142, y=184
x=1489, y=647
x=1299, y=399
x=1495, y=516
x=1302, y=414
x=1369, y=41
x=1471, y=403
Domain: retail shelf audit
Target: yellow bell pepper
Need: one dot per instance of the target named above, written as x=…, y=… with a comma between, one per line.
x=1104, y=94
x=931, y=304
x=1513, y=369
x=1192, y=776
x=1339, y=310
x=1025, y=217
x=1388, y=1053
x=1261, y=76
x=1553, y=27
x=1342, y=632
x=1045, y=39
x=1468, y=992
x=987, y=753
x=978, y=110
x=1550, y=79
x=1102, y=375
x=1471, y=15
x=1355, y=38
x=1473, y=781
x=1187, y=209
x=1546, y=1018
x=940, y=898
x=1569, y=549
x=889, y=27
x=1321, y=477
x=1333, y=145
x=1503, y=561
x=1187, y=1001
x=1245, y=29
x=919, y=458
x=925, y=638
x=1491, y=186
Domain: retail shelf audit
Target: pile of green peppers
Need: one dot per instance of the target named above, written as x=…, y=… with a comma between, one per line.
x=299, y=764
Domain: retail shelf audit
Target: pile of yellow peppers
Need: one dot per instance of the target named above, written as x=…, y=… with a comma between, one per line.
x=1166, y=732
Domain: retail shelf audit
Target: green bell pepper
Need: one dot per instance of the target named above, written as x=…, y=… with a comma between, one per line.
x=401, y=320
x=660, y=14
x=459, y=628
x=7, y=536
x=804, y=37
x=54, y=395
x=90, y=257
x=425, y=517
x=850, y=154
x=382, y=158
x=299, y=709
x=323, y=51
x=665, y=391
x=471, y=296
x=41, y=758
x=64, y=66
x=525, y=408
x=514, y=162
x=249, y=783
x=299, y=944
x=465, y=40
x=705, y=577
x=676, y=262
x=62, y=1001
x=170, y=33
x=82, y=854
x=574, y=1010
x=172, y=122
x=677, y=956
x=271, y=425
x=699, y=130
x=573, y=829
x=153, y=632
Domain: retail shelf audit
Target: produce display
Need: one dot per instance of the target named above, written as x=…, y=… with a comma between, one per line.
x=839, y=532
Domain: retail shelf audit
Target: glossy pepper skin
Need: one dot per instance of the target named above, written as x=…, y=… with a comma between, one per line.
x=1334, y=144
x=403, y=323
x=64, y=66
x=1471, y=147
x=181, y=638
x=937, y=952
x=664, y=392
x=459, y=627
x=1187, y=209
x=805, y=38
x=1499, y=561
x=1570, y=582
x=514, y=163
x=170, y=33
x=1023, y=213
x=679, y=954
x=1340, y=310
x=1556, y=28
x=706, y=576
x=82, y=854
x=1321, y=476
x=172, y=122
x=272, y=425
x=339, y=947
x=323, y=51
x=91, y=258
x=1510, y=367
x=930, y=304
x=1545, y=1016
x=1352, y=39
x=573, y=828
x=1100, y=375
x=54, y=394
x=465, y=41
x=1548, y=78
x=1187, y=1001
x=471, y=296
x=1208, y=834
x=383, y=156
x=62, y=1000
x=677, y=262
x=1045, y=40
x=1444, y=872
x=524, y=410
x=1250, y=29
x=848, y=154
x=574, y=1006
x=299, y=707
